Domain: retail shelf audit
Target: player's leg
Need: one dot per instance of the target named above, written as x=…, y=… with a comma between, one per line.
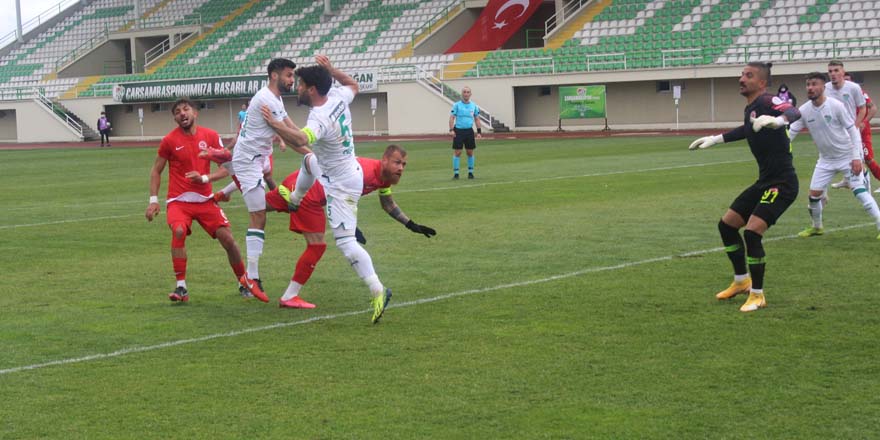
x=470, y=144
x=868, y=148
x=858, y=183
x=457, y=146
x=180, y=222
x=308, y=172
x=822, y=176
x=728, y=227
x=774, y=202
x=309, y=220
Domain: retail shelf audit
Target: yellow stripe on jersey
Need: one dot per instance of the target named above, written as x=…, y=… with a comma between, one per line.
x=385, y=191
x=310, y=134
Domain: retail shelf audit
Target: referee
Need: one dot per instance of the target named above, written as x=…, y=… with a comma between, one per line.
x=461, y=127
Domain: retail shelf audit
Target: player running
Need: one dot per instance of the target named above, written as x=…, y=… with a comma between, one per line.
x=328, y=132
x=837, y=139
x=767, y=199
x=189, y=195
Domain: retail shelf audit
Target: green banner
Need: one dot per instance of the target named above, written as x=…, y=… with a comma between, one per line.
x=580, y=102
x=213, y=88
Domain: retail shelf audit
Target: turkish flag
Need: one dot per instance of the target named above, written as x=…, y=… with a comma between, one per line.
x=498, y=22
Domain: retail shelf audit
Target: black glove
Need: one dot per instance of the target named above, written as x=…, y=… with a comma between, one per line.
x=419, y=229
x=359, y=236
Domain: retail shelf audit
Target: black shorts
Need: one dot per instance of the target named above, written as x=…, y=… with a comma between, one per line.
x=464, y=137
x=766, y=201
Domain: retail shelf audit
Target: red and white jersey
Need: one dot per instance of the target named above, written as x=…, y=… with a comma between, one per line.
x=182, y=153
x=372, y=175
x=867, y=103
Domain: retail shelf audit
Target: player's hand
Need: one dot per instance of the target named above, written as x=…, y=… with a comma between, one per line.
x=322, y=60
x=359, y=235
x=767, y=121
x=419, y=229
x=152, y=211
x=706, y=142
x=479, y=136
x=857, y=167
x=452, y=133
x=193, y=176
x=267, y=115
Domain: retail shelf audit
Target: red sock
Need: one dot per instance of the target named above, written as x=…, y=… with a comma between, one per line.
x=307, y=262
x=875, y=169
x=179, y=265
x=238, y=268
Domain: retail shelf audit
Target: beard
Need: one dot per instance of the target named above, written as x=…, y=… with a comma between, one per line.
x=283, y=88
x=303, y=99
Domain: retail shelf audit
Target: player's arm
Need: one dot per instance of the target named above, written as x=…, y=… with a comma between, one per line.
x=861, y=112
x=155, y=181
x=478, y=123
x=299, y=149
x=338, y=75
x=452, y=124
x=291, y=134
x=870, y=111
x=390, y=206
x=794, y=129
x=736, y=134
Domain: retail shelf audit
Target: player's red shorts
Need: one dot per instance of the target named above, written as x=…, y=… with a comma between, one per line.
x=866, y=142
x=310, y=215
x=208, y=214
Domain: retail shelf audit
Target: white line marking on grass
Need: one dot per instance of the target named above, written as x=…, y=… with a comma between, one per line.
x=230, y=334
x=442, y=188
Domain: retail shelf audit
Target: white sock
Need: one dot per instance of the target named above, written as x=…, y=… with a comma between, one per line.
x=758, y=291
x=292, y=290
x=740, y=278
x=361, y=262
x=816, y=211
x=306, y=177
x=181, y=283
x=870, y=206
x=254, y=239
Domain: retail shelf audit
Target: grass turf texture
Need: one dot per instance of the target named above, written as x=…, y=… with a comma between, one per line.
x=577, y=312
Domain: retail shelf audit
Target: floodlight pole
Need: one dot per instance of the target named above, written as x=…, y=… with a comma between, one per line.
x=18, y=20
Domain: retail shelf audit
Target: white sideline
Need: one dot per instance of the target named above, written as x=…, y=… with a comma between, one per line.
x=442, y=188
x=130, y=350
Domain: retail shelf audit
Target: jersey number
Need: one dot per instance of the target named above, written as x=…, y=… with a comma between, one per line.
x=346, y=134
x=769, y=196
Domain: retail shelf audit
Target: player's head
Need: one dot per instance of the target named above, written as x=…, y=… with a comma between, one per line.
x=244, y=106
x=102, y=113
x=185, y=113
x=848, y=77
x=836, y=72
x=465, y=93
x=816, y=85
x=754, y=79
x=281, y=74
x=393, y=163
x=313, y=81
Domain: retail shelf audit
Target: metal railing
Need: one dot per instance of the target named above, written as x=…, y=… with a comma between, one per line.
x=58, y=111
x=157, y=22
x=428, y=27
x=85, y=47
x=439, y=87
x=529, y=63
x=33, y=23
x=156, y=52
x=570, y=9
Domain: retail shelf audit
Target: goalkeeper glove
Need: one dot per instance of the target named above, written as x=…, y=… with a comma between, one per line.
x=706, y=142
x=419, y=229
x=767, y=121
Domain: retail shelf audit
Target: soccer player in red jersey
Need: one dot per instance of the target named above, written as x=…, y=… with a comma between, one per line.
x=190, y=196
x=864, y=127
x=309, y=220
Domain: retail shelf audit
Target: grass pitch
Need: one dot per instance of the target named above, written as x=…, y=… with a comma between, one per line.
x=569, y=293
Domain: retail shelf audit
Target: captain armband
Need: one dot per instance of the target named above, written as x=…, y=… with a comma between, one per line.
x=385, y=191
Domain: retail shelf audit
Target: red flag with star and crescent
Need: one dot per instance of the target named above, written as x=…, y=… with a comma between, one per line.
x=498, y=22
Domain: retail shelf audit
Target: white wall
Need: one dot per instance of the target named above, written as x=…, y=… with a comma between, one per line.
x=8, y=130
x=34, y=123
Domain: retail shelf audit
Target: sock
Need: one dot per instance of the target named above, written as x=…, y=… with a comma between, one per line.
x=179, y=265
x=456, y=161
x=229, y=189
x=292, y=290
x=815, y=209
x=740, y=278
x=238, y=268
x=733, y=245
x=361, y=262
x=304, y=268
x=875, y=169
x=755, y=258
x=181, y=283
x=305, y=179
x=869, y=204
x=255, y=239
x=471, y=164
x=758, y=291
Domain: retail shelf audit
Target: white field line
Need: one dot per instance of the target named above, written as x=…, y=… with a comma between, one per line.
x=141, y=349
x=443, y=188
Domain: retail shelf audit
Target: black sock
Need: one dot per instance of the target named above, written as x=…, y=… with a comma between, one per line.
x=755, y=250
x=733, y=245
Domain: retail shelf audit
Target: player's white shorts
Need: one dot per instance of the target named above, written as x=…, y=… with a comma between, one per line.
x=342, y=199
x=248, y=169
x=825, y=171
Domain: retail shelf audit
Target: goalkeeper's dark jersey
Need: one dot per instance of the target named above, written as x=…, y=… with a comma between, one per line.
x=770, y=147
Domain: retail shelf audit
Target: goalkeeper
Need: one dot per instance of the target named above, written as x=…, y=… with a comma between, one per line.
x=760, y=205
x=308, y=217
